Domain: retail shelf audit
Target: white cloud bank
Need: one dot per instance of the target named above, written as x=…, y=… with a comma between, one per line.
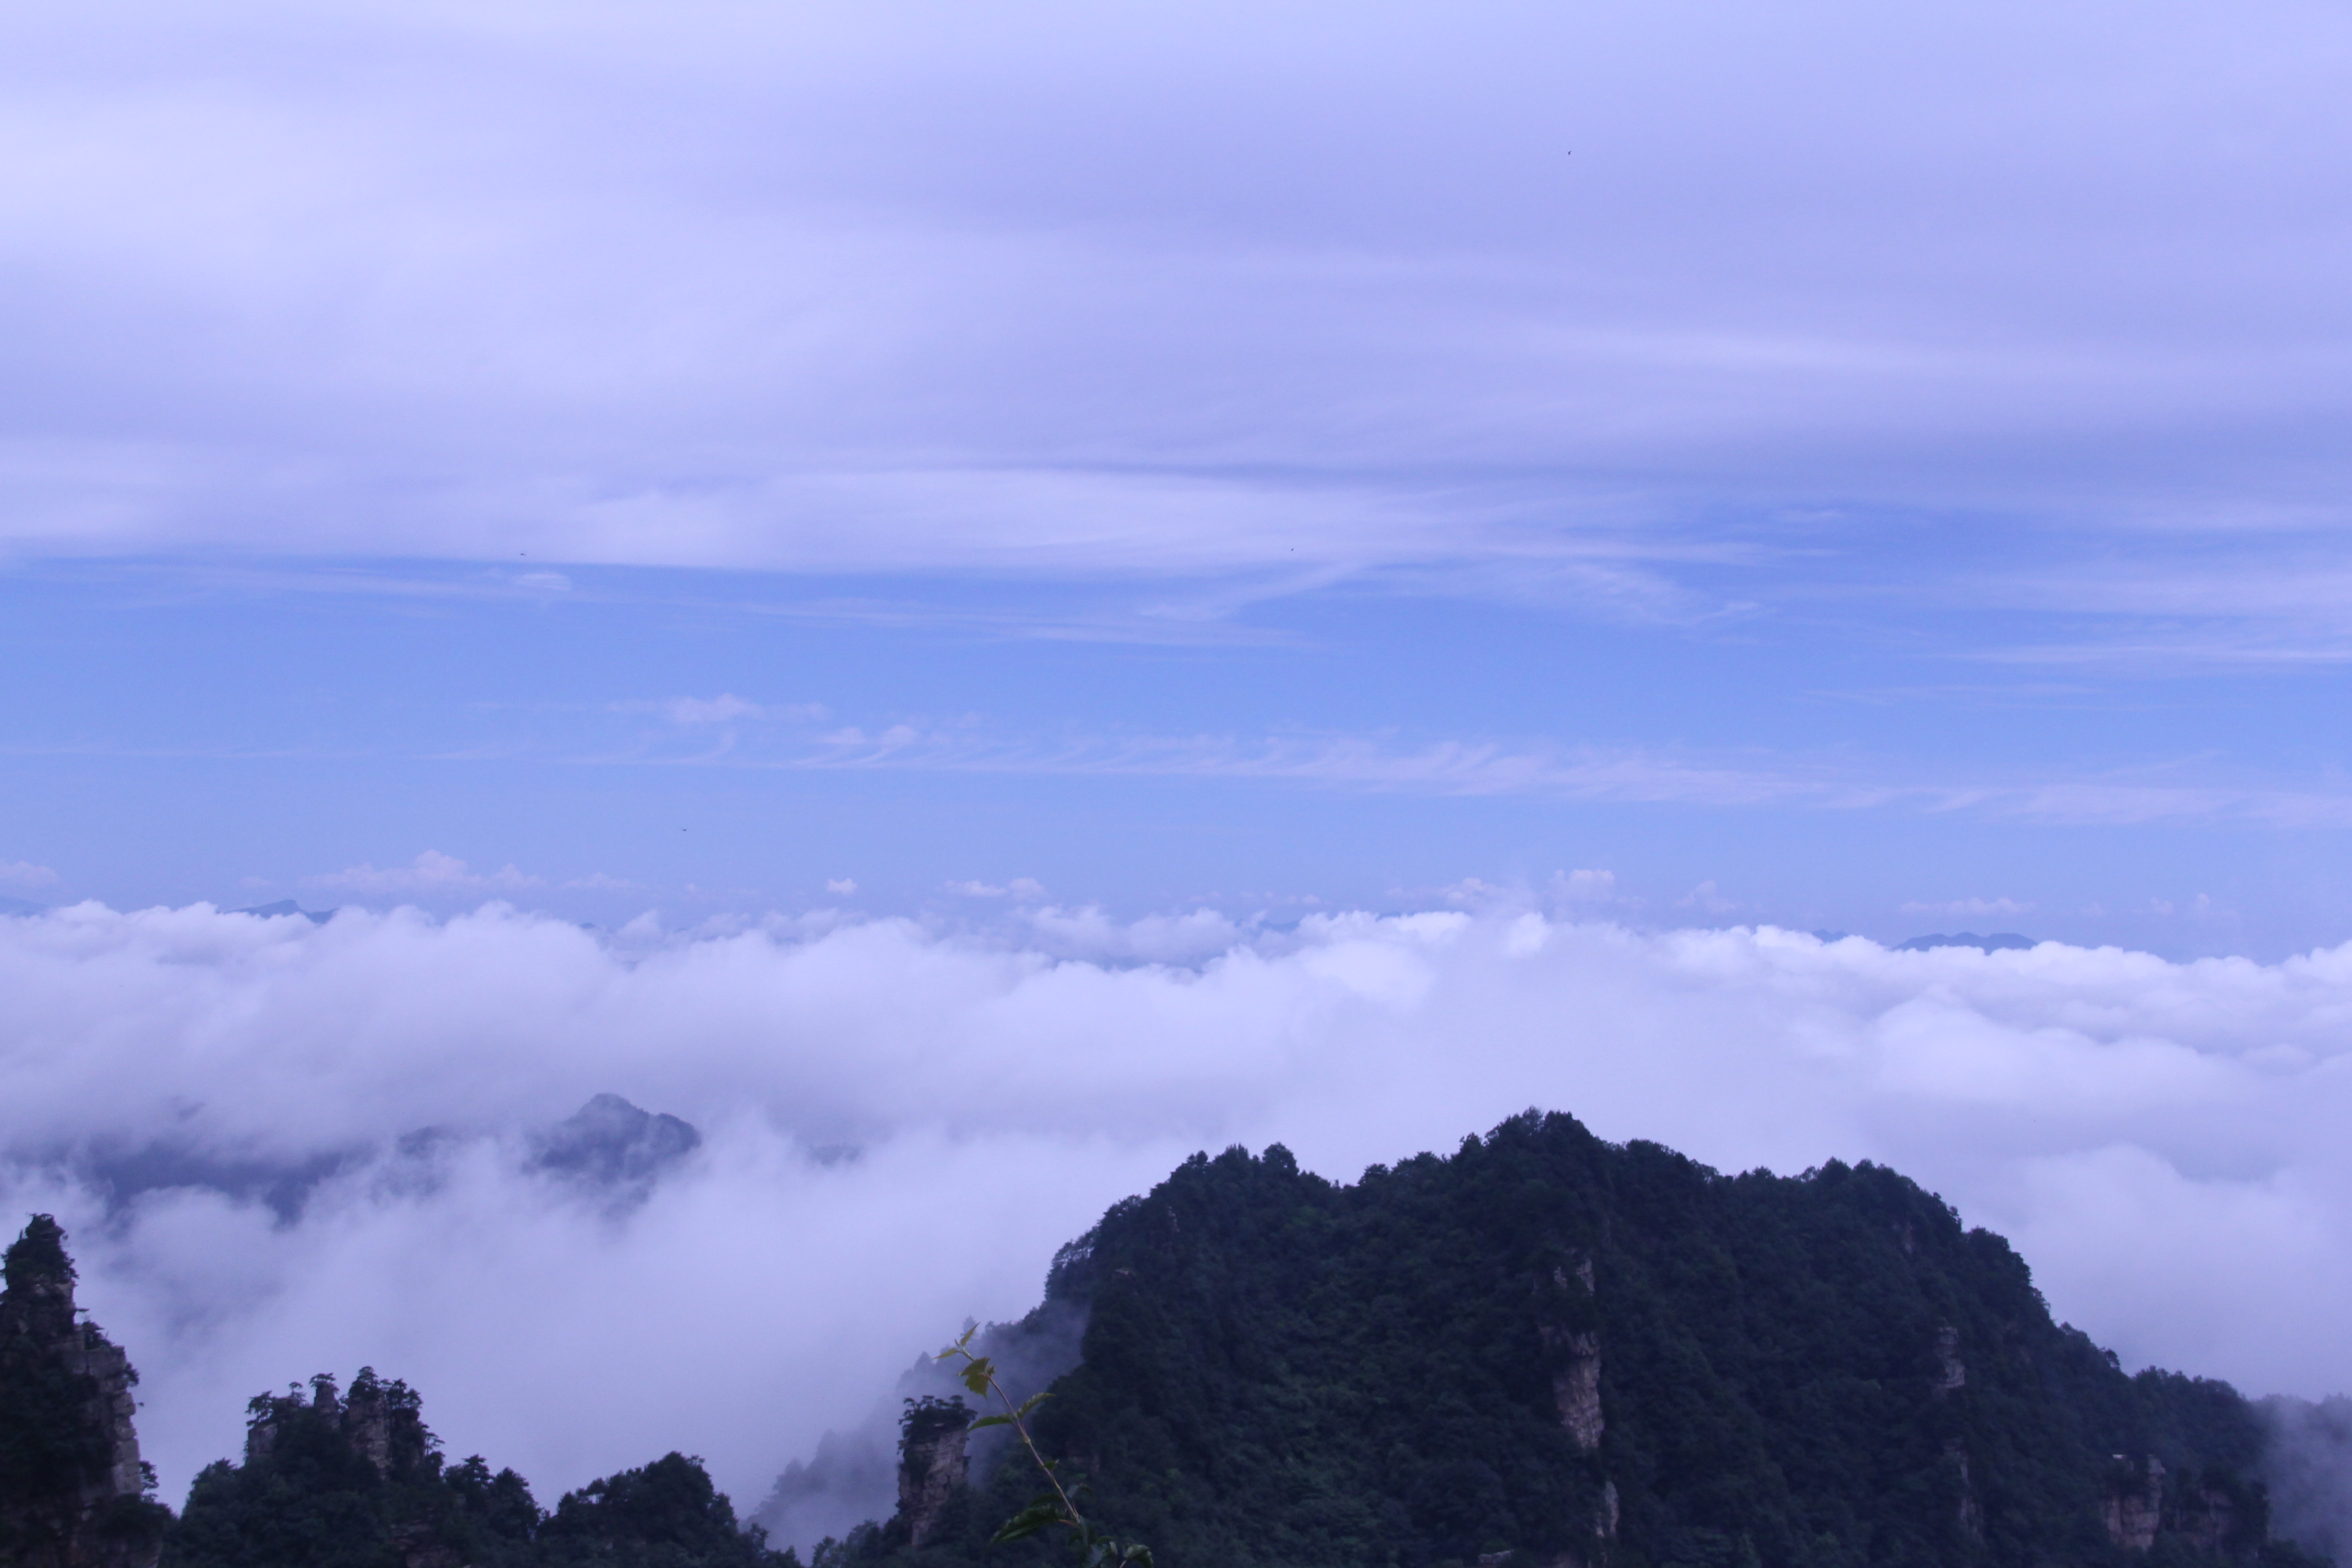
x=2161, y=1140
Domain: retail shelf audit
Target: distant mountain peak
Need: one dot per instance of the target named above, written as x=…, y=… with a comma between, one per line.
x=2000, y=941
x=613, y=1142
x=286, y=907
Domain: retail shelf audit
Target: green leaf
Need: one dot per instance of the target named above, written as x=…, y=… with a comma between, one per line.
x=1041, y=1514
x=1138, y=1554
x=990, y=1421
x=1034, y=1400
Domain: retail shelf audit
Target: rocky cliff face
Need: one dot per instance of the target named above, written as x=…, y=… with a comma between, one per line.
x=72, y=1488
x=1562, y=1308
x=2134, y=1504
x=381, y=1422
x=931, y=1465
x=2216, y=1513
x=1564, y=1313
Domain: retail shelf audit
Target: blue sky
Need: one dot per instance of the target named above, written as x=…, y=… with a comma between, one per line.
x=1864, y=472
x=737, y=741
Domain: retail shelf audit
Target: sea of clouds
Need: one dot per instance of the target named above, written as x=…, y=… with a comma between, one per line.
x=902, y=1123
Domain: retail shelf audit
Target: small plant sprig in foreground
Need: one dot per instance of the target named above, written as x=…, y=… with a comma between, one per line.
x=1048, y=1509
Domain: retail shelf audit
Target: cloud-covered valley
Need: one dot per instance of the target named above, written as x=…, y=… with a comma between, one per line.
x=283, y=1148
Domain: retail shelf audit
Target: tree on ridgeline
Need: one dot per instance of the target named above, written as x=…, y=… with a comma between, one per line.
x=359, y=1482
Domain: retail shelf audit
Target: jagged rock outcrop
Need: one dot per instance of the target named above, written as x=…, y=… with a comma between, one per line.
x=2209, y=1519
x=73, y=1493
x=853, y=1477
x=932, y=1464
x=2134, y=1504
x=1970, y=1511
x=381, y=1422
x=2214, y=1512
x=1574, y=1353
x=1952, y=1374
x=1576, y=1388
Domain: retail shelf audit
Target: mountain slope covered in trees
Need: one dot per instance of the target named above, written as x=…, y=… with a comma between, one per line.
x=359, y=1482
x=326, y=1482
x=1576, y=1352
x=1544, y=1350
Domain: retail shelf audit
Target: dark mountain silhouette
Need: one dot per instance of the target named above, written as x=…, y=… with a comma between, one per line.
x=73, y=1491
x=287, y=907
x=359, y=1481
x=1544, y=1350
x=612, y=1143
x=1550, y=1350
x=2000, y=941
x=608, y=1145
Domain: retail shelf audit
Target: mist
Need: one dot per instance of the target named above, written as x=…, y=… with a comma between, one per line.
x=283, y=1148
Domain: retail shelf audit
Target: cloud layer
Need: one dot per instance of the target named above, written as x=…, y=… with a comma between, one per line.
x=1526, y=295
x=903, y=1122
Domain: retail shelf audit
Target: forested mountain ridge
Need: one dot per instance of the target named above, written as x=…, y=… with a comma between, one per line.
x=358, y=1481
x=1544, y=1350
x=327, y=1480
x=1574, y=1353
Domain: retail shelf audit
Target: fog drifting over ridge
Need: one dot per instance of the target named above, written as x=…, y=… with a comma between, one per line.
x=2155, y=1138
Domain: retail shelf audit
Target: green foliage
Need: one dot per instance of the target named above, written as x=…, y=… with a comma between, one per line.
x=37, y=1255
x=924, y=1418
x=48, y=1447
x=310, y=1495
x=47, y=1443
x=1056, y=1509
x=57, y=1442
x=1826, y=1371
x=666, y=1515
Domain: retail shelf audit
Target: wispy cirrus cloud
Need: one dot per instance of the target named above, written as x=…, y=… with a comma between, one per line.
x=431, y=874
x=1556, y=770
x=691, y=712
x=732, y=732
x=1969, y=908
x=1025, y=890
x=599, y=882
x=719, y=709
